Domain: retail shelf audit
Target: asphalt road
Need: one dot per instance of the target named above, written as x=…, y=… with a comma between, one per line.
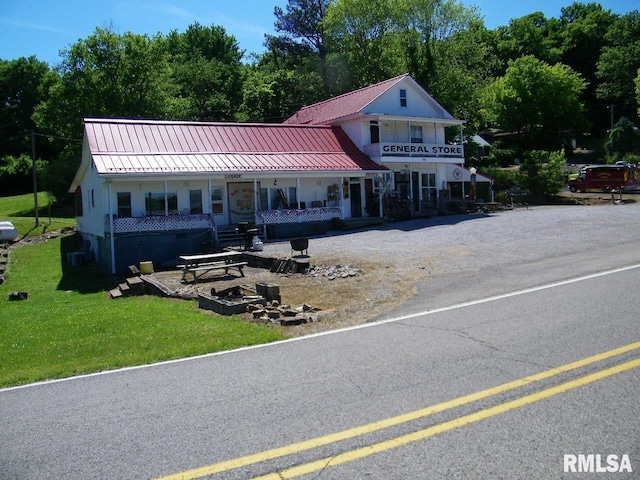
x=476, y=377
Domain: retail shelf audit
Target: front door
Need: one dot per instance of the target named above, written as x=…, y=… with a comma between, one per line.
x=241, y=202
x=355, y=193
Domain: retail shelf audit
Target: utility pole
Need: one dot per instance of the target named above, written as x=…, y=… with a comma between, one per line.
x=35, y=177
x=611, y=112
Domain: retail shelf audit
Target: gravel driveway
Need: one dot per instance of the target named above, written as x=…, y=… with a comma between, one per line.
x=394, y=258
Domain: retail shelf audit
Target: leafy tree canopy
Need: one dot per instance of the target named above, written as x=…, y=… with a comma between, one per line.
x=536, y=99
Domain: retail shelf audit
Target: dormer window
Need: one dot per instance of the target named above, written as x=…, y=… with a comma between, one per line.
x=403, y=97
x=416, y=134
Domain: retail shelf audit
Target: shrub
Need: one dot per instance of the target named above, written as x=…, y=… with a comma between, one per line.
x=542, y=173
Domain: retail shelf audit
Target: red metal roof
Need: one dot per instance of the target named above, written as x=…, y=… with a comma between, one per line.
x=343, y=105
x=146, y=146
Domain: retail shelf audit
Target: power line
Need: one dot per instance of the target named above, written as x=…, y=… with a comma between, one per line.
x=56, y=137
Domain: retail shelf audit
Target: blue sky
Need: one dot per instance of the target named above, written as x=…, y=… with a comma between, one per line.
x=44, y=27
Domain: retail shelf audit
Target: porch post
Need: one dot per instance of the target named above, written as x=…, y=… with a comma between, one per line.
x=166, y=202
x=342, y=198
x=215, y=227
x=412, y=204
x=113, y=243
x=255, y=198
x=298, y=191
x=382, y=190
x=463, y=194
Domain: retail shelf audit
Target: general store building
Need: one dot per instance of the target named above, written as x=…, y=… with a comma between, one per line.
x=152, y=190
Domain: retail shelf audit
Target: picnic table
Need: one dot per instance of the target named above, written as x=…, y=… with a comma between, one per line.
x=198, y=265
x=486, y=207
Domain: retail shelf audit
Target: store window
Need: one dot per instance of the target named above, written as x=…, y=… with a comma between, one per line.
x=195, y=202
x=124, y=204
x=278, y=198
x=155, y=203
x=217, y=207
x=292, y=195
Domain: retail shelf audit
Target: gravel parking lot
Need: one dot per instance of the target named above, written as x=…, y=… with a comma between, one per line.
x=393, y=259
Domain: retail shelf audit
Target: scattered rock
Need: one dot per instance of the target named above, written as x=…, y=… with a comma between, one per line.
x=286, y=322
x=333, y=272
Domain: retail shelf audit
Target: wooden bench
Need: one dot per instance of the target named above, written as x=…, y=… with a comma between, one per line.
x=198, y=265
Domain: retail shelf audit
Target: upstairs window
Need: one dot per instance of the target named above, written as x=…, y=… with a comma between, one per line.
x=374, y=130
x=416, y=134
x=403, y=97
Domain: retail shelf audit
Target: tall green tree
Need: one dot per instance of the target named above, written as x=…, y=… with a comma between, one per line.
x=531, y=35
x=637, y=82
x=273, y=95
x=539, y=100
x=302, y=33
x=385, y=38
x=582, y=38
x=206, y=70
x=428, y=32
x=623, y=140
x=618, y=65
x=24, y=83
x=466, y=64
x=361, y=31
x=107, y=75
x=104, y=75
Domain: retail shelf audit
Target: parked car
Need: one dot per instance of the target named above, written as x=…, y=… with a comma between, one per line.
x=8, y=233
x=605, y=178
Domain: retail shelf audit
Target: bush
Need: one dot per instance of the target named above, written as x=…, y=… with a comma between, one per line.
x=542, y=173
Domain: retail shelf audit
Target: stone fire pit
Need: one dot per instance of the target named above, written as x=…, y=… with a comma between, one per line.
x=231, y=301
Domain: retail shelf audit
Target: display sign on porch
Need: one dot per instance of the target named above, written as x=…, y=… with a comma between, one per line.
x=242, y=202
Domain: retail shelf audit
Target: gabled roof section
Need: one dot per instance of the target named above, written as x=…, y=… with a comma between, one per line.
x=358, y=102
x=343, y=105
x=147, y=146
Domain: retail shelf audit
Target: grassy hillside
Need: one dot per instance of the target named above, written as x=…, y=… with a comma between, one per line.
x=69, y=326
x=19, y=210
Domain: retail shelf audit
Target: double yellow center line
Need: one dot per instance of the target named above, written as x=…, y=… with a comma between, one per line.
x=417, y=414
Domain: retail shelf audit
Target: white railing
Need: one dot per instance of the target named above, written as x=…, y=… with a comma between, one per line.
x=271, y=217
x=160, y=223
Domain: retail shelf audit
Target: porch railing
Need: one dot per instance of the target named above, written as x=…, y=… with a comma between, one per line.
x=160, y=223
x=271, y=217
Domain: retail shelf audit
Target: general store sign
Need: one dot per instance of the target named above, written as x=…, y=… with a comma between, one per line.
x=422, y=149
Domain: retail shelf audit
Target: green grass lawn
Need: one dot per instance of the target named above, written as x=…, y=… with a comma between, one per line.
x=69, y=326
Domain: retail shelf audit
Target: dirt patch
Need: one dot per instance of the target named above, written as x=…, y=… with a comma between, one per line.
x=343, y=300
x=596, y=198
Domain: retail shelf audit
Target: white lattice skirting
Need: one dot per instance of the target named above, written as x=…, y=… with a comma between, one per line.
x=161, y=223
x=272, y=217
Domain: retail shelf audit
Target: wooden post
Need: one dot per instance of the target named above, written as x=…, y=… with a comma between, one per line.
x=35, y=177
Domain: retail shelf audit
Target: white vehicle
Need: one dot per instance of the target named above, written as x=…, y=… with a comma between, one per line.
x=8, y=233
